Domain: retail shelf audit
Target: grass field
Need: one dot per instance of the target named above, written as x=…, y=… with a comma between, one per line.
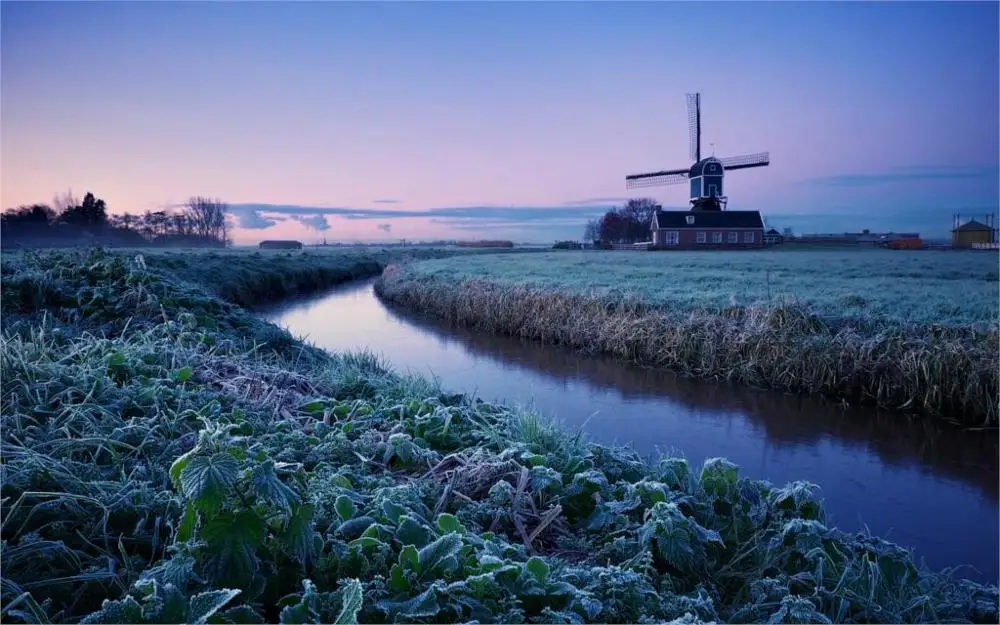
x=247, y=277
x=914, y=331
x=168, y=457
x=960, y=288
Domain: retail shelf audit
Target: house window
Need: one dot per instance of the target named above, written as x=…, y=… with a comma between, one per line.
x=734, y=237
x=701, y=237
x=716, y=237
x=689, y=219
x=748, y=237
x=672, y=237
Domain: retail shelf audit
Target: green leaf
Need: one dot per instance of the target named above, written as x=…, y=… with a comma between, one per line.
x=185, y=529
x=298, y=614
x=424, y=605
x=355, y=527
x=409, y=558
x=207, y=480
x=341, y=480
x=448, y=523
x=435, y=554
x=269, y=487
x=178, y=466
x=314, y=407
x=298, y=537
x=344, y=507
x=535, y=460
x=122, y=611
x=397, y=579
x=393, y=511
x=183, y=374
x=352, y=599
x=537, y=567
x=233, y=539
x=366, y=541
x=243, y=614
x=205, y=604
x=412, y=532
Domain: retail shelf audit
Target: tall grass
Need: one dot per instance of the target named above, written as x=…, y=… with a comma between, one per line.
x=947, y=371
x=166, y=457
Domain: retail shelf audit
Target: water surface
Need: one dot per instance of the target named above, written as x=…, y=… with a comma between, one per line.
x=923, y=485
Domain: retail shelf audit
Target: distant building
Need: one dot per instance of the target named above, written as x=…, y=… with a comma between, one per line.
x=773, y=237
x=484, y=243
x=972, y=232
x=707, y=229
x=281, y=245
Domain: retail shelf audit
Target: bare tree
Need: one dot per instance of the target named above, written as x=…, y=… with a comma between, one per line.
x=207, y=218
x=592, y=231
x=65, y=201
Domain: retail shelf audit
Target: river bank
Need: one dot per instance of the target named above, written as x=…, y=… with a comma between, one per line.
x=164, y=444
x=901, y=479
x=935, y=358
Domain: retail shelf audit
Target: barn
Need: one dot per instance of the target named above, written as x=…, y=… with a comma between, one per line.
x=696, y=230
x=971, y=233
x=281, y=245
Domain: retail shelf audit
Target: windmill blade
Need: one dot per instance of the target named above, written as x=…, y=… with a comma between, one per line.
x=694, y=126
x=656, y=178
x=760, y=159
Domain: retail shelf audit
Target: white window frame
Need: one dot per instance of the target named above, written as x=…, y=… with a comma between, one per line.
x=701, y=237
x=689, y=219
x=672, y=237
x=734, y=237
x=749, y=237
x=716, y=237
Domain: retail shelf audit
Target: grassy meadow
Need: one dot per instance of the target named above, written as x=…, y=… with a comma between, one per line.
x=168, y=457
x=914, y=331
x=248, y=276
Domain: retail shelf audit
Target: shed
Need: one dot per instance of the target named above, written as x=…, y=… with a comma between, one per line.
x=972, y=232
x=772, y=237
x=281, y=245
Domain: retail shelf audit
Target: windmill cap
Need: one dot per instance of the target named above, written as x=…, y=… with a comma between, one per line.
x=711, y=166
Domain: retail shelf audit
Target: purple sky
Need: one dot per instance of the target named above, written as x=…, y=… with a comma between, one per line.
x=525, y=117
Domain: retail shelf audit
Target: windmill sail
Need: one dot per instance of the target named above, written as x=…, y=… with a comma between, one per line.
x=694, y=126
x=656, y=178
x=759, y=159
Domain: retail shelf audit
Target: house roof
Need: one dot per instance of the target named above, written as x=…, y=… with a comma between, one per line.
x=708, y=219
x=972, y=226
x=773, y=231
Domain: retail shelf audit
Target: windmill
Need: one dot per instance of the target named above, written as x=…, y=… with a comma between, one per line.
x=705, y=176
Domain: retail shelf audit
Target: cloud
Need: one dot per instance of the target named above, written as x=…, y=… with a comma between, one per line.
x=598, y=200
x=385, y=227
x=908, y=174
x=386, y=201
x=481, y=212
x=253, y=219
x=314, y=222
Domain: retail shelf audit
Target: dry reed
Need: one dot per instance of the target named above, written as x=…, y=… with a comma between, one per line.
x=949, y=373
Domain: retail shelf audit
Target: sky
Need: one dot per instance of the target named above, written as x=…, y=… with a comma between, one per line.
x=519, y=120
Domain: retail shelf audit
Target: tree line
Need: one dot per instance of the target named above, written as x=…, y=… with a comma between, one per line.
x=623, y=224
x=201, y=222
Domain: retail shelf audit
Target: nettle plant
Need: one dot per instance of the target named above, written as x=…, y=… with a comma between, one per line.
x=244, y=520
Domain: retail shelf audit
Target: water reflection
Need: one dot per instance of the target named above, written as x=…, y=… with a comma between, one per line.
x=785, y=419
x=921, y=484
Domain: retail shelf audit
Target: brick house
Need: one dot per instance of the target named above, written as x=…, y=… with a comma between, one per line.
x=694, y=230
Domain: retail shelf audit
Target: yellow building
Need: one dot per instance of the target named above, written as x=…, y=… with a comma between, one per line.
x=972, y=232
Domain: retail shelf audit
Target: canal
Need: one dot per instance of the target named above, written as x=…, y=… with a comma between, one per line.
x=922, y=485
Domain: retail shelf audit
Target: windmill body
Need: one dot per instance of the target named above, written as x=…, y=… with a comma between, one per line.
x=707, y=225
x=706, y=175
